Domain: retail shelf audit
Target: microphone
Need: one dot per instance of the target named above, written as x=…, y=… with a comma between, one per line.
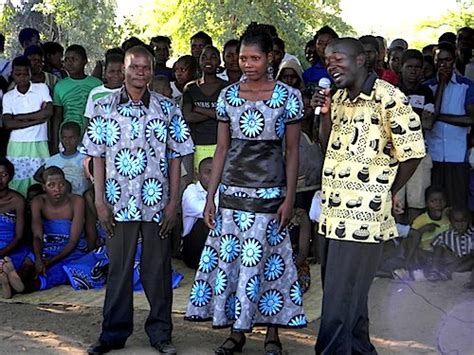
x=323, y=83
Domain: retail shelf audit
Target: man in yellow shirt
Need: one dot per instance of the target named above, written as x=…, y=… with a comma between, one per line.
x=373, y=142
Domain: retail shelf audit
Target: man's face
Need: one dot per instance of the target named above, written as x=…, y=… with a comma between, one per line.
x=36, y=63
x=342, y=66
x=162, y=52
x=74, y=63
x=205, y=174
x=197, y=45
x=138, y=70
x=21, y=75
x=33, y=41
x=114, y=75
x=411, y=70
x=371, y=56
x=55, y=187
x=70, y=140
x=464, y=42
x=183, y=73
x=444, y=62
x=321, y=43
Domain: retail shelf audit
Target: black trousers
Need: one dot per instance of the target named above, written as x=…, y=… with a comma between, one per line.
x=348, y=270
x=454, y=178
x=155, y=272
x=193, y=244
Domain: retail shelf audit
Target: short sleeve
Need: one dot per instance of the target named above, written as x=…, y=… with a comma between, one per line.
x=294, y=107
x=470, y=93
x=221, y=108
x=404, y=127
x=89, y=111
x=57, y=95
x=45, y=96
x=179, y=142
x=94, y=136
x=438, y=241
x=7, y=106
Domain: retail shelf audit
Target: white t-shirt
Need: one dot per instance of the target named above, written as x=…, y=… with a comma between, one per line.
x=73, y=170
x=96, y=94
x=16, y=103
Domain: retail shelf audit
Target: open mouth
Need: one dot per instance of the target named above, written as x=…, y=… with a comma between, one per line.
x=337, y=77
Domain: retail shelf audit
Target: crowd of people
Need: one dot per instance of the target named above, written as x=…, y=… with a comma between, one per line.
x=245, y=166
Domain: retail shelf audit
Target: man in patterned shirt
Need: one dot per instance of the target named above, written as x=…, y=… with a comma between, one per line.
x=137, y=138
x=373, y=143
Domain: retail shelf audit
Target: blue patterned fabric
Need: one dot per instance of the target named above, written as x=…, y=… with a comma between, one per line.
x=7, y=234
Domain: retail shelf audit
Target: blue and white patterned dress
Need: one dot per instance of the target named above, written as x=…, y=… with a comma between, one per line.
x=246, y=274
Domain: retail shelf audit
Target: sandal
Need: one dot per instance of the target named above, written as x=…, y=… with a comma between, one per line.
x=236, y=348
x=273, y=347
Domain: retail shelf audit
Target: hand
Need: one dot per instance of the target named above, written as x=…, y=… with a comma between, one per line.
x=444, y=75
x=322, y=98
x=105, y=217
x=430, y=227
x=284, y=214
x=427, y=119
x=209, y=214
x=397, y=205
x=40, y=267
x=169, y=220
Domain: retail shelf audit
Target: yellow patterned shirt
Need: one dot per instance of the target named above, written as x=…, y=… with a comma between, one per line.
x=370, y=136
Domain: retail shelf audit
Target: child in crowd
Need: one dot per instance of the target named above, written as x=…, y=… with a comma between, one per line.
x=53, y=59
x=58, y=221
x=199, y=105
x=12, y=222
x=185, y=70
x=291, y=74
x=431, y=223
x=70, y=94
x=161, y=85
x=70, y=161
x=38, y=75
x=392, y=75
x=195, y=232
x=454, y=248
x=113, y=82
x=232, y=72
x=26, y=111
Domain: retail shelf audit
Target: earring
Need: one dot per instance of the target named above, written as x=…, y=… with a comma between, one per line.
x=270, y=73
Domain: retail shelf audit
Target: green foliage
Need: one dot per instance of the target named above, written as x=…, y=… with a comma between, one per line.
x=296, y=20
x=454, y=19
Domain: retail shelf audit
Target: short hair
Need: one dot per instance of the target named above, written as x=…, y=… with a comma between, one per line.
x=52, y=171
x=257, y=34
x=213, y=49
x=207, y=160
x=9, y=166
x=399, y=42
x=2, y=42
x=279, y=43
x=272, y=31
x=33, y=50
x=202, y=35
x=447, y=37
x=114, y=58
x=446, y=46
x=158, y=39
x=412, y=54
x=115, y=50
x=354, y=45
x=428, y=59
x=27, y=34
x=463, y=211
x=325, y=30
x=391, y=50
x=131, y=42
x=78, y=49
x=140, y=50
x=429, y=47
x=434, y=189
x=188, y=61
x=21, y=61
x=371, y=40
x=231, y=43
x=52, y=48
x=162, y=79
x=72, y=126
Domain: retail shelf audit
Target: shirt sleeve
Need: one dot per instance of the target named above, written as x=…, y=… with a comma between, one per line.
x=438, y=241
x=470, y=94
x=192, y=204
x=94, y=136
x=46, y=97
x=404, y=127
x=179, y=142
x=56, y=95
x=221, y=108
x=89, y=111
x=7, y=106
x=294, y=107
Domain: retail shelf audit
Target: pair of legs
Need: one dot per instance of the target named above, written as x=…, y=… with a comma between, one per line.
x=348, y=269
x=155, y=269
x=9, y=278
x=445, y=263
x=237, y=340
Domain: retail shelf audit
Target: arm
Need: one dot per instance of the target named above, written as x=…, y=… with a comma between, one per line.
x=405, y=171
x=292, y=142
x=54, y=125
x=75, y=231
x=323, y=99
x=29, y=119
x=169, y=218
x=223, y=143
x=304, y=237
x=19, y=207
x=39, y=174
x=37, y=229
x=90, y=221
x=208, y=112
x=104, y=213
x=461, y=121
x=189, y=113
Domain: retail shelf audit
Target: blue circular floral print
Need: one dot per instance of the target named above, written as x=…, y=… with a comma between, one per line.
x=164, y=167
x=271, y=303
x=113, y=191
x=274, y=267
x=96, y=130
x=179, y=130
x=221, y=110
x=274, y=236
x=220, y=283
x=279, y=96
x=298, y=321
x=252, y=123
x=156, y=128
x=135, y=128
x=166, y=106
x=152, y=192
x=280, y=127
x=296, y=295
x=217, y=230
x=158, y=217
x=233, y=307
x=201, y=293
x=252, y=289
x=232, y=96
x=292, y=108
x=230, y=248
x=269, y=192
x=130, y=165
x=243, y=219
x=209, y=259
x=112, y=132
x=252, y=252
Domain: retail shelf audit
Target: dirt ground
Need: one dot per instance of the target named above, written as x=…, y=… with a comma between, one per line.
x=415, y=318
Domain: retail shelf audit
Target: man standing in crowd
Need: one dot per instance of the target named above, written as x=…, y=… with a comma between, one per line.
x=373, y=144
x=139, y=133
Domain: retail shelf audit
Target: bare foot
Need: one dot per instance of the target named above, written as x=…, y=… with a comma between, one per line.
x=13, y=277
x=6, y=289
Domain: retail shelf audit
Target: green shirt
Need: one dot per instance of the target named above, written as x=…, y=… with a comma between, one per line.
x=72, y=95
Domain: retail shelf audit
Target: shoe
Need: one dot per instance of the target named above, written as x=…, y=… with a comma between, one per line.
x=273, y=347
x=101, y=348
x=165, y=347
x=237, y=348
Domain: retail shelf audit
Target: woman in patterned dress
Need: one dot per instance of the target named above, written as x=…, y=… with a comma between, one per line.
x=246, y=274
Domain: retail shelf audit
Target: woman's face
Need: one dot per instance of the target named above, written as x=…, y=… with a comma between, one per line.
x=253, y=61
x=231, y=58
x=183, y=73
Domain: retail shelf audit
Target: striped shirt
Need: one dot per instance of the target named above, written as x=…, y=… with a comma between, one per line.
x=461, y=245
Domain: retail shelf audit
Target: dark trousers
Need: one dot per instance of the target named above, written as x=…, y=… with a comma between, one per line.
x=193, y=244
x=155, y=272
x=454, y=178
x=348, y=270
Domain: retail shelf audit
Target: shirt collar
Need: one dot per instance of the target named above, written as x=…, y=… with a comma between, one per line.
x=125, y=97
x=367, y=88
x=453, y=79
x=30, y=89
